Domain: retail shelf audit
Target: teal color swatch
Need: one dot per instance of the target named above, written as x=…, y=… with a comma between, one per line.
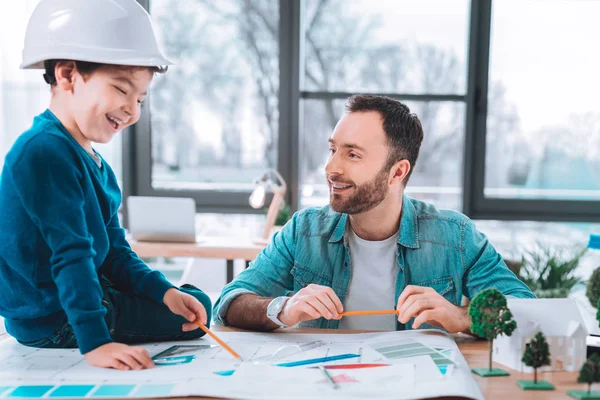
x=113, y=390
x=174, y=360
x=154, y=391
x=30, y=391
x=227, y=372
x=72, y=391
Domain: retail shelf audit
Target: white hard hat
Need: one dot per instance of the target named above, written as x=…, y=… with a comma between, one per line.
x=103, y=31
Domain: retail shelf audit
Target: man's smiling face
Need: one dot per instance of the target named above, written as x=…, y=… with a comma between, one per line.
x=357, y=173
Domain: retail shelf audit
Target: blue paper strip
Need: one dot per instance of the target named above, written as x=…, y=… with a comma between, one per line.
x=72, y=391
x=30, y=391
x=113, y=390
x=317, y=360
x=299, y=363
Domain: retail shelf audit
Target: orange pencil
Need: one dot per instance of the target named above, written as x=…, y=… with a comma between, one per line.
x=222, y=343
x=370, y=312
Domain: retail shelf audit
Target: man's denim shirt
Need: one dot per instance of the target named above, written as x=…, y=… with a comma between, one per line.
x=439, y=249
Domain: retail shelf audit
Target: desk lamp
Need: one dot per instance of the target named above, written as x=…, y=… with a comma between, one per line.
x=271, y=181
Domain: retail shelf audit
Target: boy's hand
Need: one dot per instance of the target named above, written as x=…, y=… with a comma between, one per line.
x=119, y=356
x=187, y=306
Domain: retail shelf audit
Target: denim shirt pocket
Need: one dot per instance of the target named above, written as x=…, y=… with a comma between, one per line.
x=445, y=288
x=303, y=277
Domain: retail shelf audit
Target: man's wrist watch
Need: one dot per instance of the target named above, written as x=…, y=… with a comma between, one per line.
x=275, y=307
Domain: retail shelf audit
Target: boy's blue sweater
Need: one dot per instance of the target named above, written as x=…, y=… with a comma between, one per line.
x=59, y=230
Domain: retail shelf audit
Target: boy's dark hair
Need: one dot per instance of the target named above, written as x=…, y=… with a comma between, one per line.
x=87, y=68
x=403, y=129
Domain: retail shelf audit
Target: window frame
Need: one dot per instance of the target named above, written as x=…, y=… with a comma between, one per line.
x=137, y=142
x=138, y=146
x=475, y=204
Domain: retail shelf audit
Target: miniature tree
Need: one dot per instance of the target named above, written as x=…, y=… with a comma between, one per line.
x=590, y=373
x=490, y=317
x=537, y=354
x=593, y=287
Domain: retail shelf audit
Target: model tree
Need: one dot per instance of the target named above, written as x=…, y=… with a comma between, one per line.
x=490, y=317
x=590, y=373
x=537, y=354
x=593, y=287
x=598, y=312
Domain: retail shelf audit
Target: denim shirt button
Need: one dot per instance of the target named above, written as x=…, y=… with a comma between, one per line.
x=112, y=331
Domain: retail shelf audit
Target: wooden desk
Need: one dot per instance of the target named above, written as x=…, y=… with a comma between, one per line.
x=228, y=248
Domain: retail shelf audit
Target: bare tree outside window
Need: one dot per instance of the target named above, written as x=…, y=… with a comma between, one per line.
x=215, y=113
x=545, y=145
x=357, y=49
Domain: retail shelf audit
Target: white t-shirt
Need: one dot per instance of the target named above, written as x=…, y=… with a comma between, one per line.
x=372, y=283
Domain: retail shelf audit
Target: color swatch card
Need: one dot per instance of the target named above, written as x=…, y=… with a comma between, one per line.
x=409, y=348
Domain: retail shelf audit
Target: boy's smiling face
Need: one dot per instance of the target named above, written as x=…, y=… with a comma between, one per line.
x=95, y=106
x=108, y=101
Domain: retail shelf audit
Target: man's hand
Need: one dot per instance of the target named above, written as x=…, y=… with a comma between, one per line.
x=187, y=306
x=311, y=302
x=427, y=306
x=119, y=356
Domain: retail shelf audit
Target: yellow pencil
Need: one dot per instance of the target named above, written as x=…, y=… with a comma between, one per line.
x=370, y=312
x=222, y=343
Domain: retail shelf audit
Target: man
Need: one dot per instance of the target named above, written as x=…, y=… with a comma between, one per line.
x=372, y=247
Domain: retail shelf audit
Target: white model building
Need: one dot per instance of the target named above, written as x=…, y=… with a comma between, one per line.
x=562, y=324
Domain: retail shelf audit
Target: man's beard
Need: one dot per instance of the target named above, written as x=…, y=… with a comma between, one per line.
x=365, y=197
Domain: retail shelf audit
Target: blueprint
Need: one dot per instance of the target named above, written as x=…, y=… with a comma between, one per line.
x=408, y=364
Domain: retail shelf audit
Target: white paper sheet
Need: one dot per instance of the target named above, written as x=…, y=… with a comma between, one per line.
x=409, y=377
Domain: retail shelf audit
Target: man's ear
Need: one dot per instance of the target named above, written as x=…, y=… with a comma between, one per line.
x=400, y=171
x=65, y=72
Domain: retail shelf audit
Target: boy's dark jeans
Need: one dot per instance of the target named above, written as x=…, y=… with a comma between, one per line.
x=133, y=319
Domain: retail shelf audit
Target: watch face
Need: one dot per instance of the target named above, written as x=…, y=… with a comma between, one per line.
x=275, y=307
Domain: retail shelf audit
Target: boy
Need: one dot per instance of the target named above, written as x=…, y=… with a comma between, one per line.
x=68, y=277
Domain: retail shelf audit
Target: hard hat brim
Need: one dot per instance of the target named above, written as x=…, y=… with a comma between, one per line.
x=137, y=60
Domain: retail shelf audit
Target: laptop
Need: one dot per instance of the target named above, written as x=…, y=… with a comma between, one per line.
x=162, y=219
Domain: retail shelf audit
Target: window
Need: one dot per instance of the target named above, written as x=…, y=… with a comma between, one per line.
x=509, y=135
x=23, y=93
x=386, y=46
x=396, y=48
x=543, y=123
x=214, y=114
x=538, y=122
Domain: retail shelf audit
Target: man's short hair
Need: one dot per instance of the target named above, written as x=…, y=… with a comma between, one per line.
x=403, y=129
x=86, y=68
